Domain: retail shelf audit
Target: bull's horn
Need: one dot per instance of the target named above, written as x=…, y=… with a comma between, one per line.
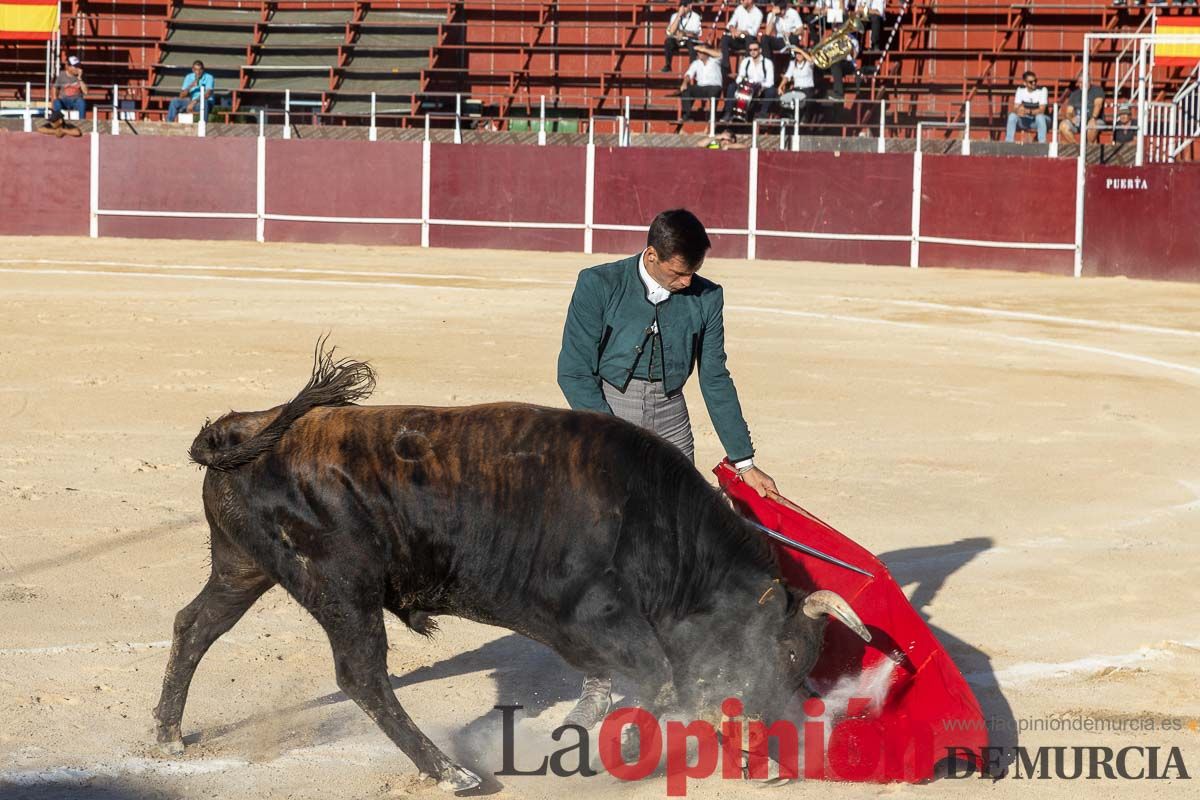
x=831, y=603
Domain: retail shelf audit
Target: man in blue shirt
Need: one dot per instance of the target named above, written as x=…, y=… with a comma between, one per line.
x=197, y=82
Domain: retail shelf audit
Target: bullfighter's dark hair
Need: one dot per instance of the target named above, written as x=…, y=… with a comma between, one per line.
x=334, y=382
x=679, y=233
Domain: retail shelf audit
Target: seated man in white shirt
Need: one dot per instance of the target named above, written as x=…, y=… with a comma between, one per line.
x=742, y=30
x=702, y=80
x=760, y=73
x=798, y=83
x=1028, y=109
x=872, y=11
x=682, y=31
x=783, y=27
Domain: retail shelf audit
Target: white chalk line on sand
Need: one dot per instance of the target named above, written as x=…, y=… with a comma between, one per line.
x=1081, y=322
x=241, y=278
x=1006, y=337
x=1031, y=671
x=293, y=270
x=1035, y=342
x=126, y=647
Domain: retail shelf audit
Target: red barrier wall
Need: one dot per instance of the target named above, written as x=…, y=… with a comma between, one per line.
x=181, y=174
x=1142, y=221
x=507, y=183
x=856, y=193
x=316, y=177
x=43, y=185
x=998, y=199
x=634, y=184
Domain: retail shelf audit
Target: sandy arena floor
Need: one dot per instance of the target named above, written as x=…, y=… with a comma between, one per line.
x=1023, y=451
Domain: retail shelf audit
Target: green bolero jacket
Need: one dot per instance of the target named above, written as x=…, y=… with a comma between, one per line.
x=608, y=325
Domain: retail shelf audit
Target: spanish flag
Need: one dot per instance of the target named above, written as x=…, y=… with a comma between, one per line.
x=1170, y=55
x=28, y=20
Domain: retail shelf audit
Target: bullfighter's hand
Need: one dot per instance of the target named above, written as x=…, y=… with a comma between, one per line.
x=760, y=481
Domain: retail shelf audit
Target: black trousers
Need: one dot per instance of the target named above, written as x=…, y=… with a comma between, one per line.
x=732, y=44
x=777, y=44
x=837, y=72
x=877, y=41
x=691, y=94
x=671, y=45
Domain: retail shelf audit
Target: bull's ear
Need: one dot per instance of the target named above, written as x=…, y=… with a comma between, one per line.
x=794, y=602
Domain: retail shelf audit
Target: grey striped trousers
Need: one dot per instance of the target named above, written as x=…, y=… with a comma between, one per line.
x=644, y=403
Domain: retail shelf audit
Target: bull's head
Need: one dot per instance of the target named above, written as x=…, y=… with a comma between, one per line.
x=765, y=650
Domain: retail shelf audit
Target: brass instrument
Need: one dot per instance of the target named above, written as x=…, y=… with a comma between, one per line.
x=836, y=46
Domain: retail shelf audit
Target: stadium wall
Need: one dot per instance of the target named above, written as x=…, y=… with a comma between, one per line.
x=892, y=209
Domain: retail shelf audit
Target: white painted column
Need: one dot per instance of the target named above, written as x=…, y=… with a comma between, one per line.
x=426, y=160
x=914, y=248
x=94, y=188
x=882, y=146
x=542, y=122
x=589, y=197
x=260, y=191
x=287, y=113
x=371, y=133
x=116, y=123
x=752, y=206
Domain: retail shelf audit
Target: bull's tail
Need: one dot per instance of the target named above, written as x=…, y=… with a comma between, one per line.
x=334, y=382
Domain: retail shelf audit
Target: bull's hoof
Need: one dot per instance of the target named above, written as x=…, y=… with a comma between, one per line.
x=171, y=747
x=458, y=779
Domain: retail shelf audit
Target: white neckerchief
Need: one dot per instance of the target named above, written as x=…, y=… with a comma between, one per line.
x=654, y=293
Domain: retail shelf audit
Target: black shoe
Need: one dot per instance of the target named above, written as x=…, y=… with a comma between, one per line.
x=666, y=68
x=594, y=702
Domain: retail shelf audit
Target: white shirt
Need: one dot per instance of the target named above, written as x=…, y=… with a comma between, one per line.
x=876, y=6
x=788, y=23
x=690, y=26
x=706, y=73
x=800, y=73
x=1032, y=99
x=760, y=71
x=654, y=293
x=834, y=11
x=744, y=21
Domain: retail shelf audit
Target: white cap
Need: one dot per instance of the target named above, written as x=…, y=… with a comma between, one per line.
x=73, y=61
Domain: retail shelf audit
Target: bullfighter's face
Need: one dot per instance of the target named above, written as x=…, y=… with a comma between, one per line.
x=673, y=274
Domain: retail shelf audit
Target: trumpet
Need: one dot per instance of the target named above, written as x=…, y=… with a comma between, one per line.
x=837, y=45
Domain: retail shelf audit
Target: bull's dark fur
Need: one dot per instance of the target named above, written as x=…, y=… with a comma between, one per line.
x=576, y=529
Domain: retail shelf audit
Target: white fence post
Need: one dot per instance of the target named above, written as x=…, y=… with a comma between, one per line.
x=262, y=123
x=260, y=189
x=752, y=205
x=94, y=188
x=1054, y=134
x=202, y=129
x=287, y=113
x=542, y=122
x=426, y=160
x=966, y=142
x=371, y=133
x=628, y=124
x=882, y=147
x=28, y=127
x=589, y=195
x=116, y=117
x=458, y=118
x=712, y=116
x=796, y=129
x=914, y=248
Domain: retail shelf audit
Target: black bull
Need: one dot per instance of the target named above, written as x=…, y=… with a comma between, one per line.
x=575, y=529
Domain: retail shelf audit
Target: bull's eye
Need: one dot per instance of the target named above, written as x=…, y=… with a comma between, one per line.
x=792, y=656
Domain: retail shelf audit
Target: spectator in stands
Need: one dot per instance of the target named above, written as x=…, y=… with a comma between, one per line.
x=872, y=11
x=702, y=80
x=783, y=27
x=1069, y=126
x=683, y=30
x=197, y=81
x=56, y=125
x=827, y=14
x=847, y=66
x=798, y=84
x=70, y=88
x=742, y=30
x=1124, y=130
x=759, y=73
x=1028, y=109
